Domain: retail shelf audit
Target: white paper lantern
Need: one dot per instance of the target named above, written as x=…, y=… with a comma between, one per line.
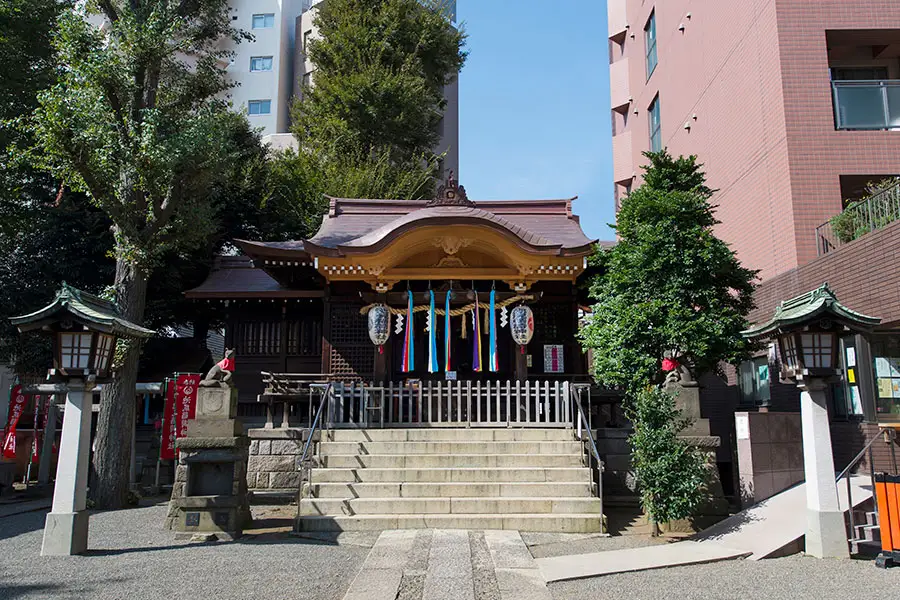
x=521, y=324
x=379, y=324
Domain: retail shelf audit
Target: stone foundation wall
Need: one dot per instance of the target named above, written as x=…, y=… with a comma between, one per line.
x=274, y=454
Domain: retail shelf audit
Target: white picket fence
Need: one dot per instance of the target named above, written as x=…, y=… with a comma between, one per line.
x=452, y=404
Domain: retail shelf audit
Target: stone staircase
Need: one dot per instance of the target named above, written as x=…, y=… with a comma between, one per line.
x=523, y=479
x=866, y=540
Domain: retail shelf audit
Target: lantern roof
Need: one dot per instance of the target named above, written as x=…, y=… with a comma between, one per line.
x=817, y=304
x=87, y=309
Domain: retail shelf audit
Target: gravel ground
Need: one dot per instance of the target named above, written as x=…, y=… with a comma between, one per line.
x=794, y=578
x=133, y=558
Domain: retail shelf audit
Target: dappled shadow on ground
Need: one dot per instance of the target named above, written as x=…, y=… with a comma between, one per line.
x=731, y=524
x=10, y=591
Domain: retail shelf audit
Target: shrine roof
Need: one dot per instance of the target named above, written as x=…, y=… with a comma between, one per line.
x=352, y=226
x=237, y=277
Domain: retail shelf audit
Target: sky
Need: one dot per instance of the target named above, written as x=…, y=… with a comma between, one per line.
x=534, y=105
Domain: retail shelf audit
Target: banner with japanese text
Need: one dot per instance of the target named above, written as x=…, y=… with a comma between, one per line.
x=17, y=403
x=167, y=448
x=186, y=385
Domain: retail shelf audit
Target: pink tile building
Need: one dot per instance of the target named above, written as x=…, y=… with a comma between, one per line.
x=750, y=86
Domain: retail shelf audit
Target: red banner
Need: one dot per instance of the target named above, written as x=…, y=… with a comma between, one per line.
x=185, y=400
x=17, y=403
x=167, y=449
x=181, y=406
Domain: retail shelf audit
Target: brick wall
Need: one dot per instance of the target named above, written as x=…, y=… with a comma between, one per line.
x=864, y=275
x=751, y=80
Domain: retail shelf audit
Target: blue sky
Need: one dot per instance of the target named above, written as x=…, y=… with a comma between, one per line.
x=534, y=105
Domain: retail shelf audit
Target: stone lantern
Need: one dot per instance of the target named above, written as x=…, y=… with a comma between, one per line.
x=85, y=329
x=808, y=329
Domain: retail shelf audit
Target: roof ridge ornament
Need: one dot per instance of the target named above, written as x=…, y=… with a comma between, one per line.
x=451, y=194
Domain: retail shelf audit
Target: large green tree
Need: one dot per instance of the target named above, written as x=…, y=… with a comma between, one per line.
x=135, y=122
x=371, y=118
x=46, y=234
x=669, y=287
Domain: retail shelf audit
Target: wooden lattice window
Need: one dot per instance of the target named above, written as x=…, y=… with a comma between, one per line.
x=258, y=338
x=304, y=338
x=352, y=352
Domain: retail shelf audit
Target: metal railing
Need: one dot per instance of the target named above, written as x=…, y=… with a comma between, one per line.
x=858, y=219
x=304, y=464
x=583, y=424
x=866, y=104
x=867, y=450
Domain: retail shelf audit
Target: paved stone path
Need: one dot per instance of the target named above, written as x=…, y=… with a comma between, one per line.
x=448, y=564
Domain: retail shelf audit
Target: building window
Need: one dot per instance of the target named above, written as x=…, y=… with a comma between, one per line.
x=264, y=21
x=259, y=107
x=754, y=382
x=261, y=63
x=886, y=358
x=306, y=37
x=650, y=43
x=655, y=133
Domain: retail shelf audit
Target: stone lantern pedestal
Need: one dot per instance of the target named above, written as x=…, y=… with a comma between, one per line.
x=209, y=497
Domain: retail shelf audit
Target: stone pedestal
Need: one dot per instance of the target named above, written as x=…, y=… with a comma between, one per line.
x=66, y=527
x=826, y=534
x=697, y=435
x=209, y=497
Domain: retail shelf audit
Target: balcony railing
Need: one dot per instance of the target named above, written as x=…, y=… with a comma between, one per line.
x=866, y=105
x=858, y=219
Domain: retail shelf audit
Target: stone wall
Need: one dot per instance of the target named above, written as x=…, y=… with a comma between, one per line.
x=274, y=454
x=770, y=454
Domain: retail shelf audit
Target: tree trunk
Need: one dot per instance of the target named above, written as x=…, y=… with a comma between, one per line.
x=115, y=423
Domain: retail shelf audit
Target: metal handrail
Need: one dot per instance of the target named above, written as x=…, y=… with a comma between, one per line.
x=583, y=419
x=853, y=463
x=326, y=394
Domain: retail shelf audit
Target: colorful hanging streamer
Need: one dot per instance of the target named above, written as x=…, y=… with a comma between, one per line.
x=476, y=341
x=447, y=330
x=493, y=360
x=433, y=366
x=409, y=350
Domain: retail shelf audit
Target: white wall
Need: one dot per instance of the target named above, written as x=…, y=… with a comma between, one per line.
x=277, y=42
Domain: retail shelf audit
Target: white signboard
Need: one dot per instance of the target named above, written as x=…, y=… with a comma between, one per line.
x=553, y=358
x=742, y=426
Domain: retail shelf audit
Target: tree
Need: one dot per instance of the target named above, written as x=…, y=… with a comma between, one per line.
x=671, y=475
x=669, y=289
x=377, y=100
x=135, y=122
x=669, y=286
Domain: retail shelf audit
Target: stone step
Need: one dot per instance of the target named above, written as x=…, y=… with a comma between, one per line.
x=450, y=435
x=455, y=461
x=450, y=490
x=450, y=474
x=570, y=523
x=389, y=506
x=329, y=448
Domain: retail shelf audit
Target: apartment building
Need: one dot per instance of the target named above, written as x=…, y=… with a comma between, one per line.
x=263, y=68
x=793, y=107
